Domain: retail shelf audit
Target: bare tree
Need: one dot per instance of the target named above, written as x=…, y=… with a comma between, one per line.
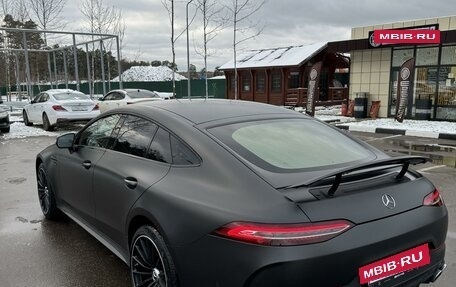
x=46, y=14
x=102, y=18
x=169, y=6
x=22, y=10
x=7, y=7
x=241, y=12
x=213, y=23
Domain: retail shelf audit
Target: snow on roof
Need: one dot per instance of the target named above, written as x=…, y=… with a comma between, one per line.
x=149, y=74
x=218, y=78
x=277, y=57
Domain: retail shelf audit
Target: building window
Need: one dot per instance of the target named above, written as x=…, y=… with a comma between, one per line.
x=245, y=82
x=293, y=80
x=427, y=56
x=260, y=82
x=446, y=99
x=400, y=56
x=276, y=82
x=448, y=55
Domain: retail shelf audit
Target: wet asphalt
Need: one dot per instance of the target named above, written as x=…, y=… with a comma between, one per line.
x=38, y=252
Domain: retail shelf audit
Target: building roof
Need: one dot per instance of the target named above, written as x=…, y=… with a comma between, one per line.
x=277, y=57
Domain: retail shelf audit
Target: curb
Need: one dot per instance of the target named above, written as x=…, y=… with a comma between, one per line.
x=423, y=134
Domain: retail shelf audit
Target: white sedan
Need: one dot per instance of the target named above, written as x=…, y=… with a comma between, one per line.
x=119, y=98
x=55, y=106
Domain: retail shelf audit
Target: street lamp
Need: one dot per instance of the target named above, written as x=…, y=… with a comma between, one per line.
x=188, y=55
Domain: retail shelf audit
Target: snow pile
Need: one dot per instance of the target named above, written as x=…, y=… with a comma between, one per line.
x=149, y=74
x=409, y=125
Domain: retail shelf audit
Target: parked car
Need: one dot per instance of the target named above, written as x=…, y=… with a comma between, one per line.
x=4, y=118
x=52, y=107
x=119, y=98
x=233, y=193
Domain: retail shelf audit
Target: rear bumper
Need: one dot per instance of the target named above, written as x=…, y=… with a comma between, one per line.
x=332, y=263
x=64, y=117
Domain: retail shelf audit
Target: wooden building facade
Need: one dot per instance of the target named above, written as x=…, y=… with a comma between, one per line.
x=280, y=76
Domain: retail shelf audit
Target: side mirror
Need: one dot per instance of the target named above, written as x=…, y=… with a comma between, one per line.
x=1, y=101
x=65, y=141
x=33, y=102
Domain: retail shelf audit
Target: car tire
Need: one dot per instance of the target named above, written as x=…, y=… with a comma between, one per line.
x=46, y=124
x=5, y=130
x=26, y=119
x=147, y=249
x=46, y=195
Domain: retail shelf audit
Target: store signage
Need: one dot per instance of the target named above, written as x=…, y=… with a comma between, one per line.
x=404, y=91
x=312, y=88
x=394, y=37
x=427, y=34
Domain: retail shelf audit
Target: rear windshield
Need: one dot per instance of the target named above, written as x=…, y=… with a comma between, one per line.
x=290, y=144
x=70, y=96
x=139, y=94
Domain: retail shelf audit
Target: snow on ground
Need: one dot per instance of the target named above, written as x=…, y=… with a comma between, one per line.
x=149, y=74
x=19, y=130
x=420, y=128
x=409, y=125
x=328, y=114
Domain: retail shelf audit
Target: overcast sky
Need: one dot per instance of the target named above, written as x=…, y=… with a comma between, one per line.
x=286, y=23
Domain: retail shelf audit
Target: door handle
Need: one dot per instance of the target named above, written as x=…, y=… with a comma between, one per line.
x=131, y=182
x=87, y=164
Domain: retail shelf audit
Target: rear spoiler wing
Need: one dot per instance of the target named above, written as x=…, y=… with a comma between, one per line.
x=405, y=161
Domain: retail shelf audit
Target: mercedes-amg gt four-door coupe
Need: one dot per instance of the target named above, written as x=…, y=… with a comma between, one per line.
x=233, y=193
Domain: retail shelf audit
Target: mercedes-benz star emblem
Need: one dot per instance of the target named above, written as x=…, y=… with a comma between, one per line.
x=388, y=201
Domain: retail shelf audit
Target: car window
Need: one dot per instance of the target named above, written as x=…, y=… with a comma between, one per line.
x=114, y=96
x=44, y=98
x=135, y=136
x=139, y=94
x=288, y=145
x=70, y=96
x=37, y=98
x=160, y=149
x=181, y=153
x=99, y=133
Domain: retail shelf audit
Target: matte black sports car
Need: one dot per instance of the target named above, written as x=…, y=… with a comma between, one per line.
x=232, y=193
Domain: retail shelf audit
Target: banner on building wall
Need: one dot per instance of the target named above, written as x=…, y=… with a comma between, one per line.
x=373, y=44
x=312, y=88
x=404, y=88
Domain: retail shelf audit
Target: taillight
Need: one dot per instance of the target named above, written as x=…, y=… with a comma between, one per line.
x=96, y=108
x=283, y=234
x=58, y=108
x=433, y=199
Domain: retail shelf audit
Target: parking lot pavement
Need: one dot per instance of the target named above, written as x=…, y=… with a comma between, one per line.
x=37, y=252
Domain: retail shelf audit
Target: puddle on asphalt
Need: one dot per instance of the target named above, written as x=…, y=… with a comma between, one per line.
x=439, y=154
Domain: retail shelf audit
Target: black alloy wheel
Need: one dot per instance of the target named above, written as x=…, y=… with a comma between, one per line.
x=46, y=124
x=26, y=119
x=46, y=195
x=150, y=261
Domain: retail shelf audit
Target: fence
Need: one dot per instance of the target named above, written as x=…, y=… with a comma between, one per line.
x=216, y=87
